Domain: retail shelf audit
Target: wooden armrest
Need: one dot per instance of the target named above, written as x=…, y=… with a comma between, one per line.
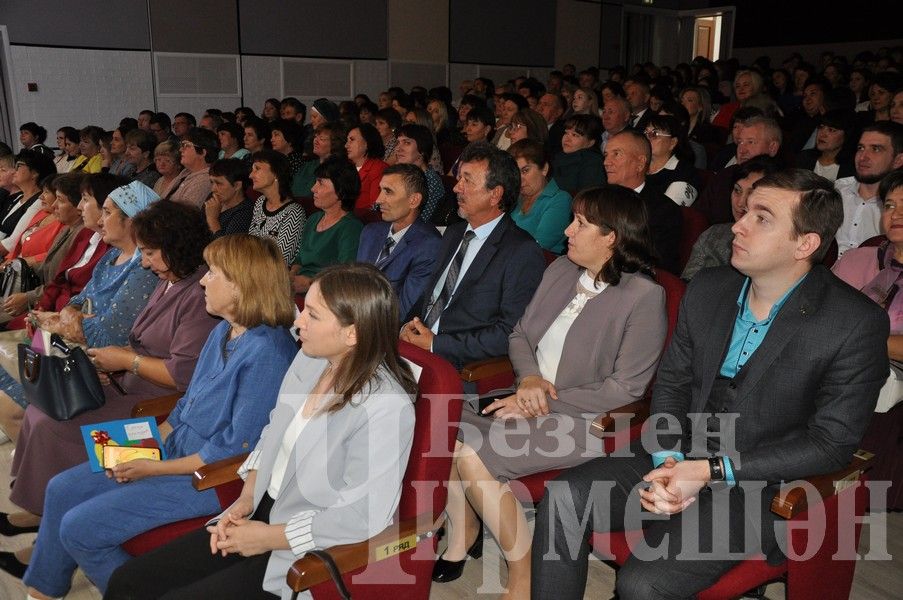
x=156, y=407
x=791, y=499
x=309, y=571
x=486, y=368
x=605, y=422
x=218, y=473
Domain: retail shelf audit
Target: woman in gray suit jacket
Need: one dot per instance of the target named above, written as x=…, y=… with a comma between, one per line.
x=329, y=465
x=589, y=341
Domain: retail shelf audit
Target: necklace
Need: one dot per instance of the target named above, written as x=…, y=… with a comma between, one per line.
x=228, y=338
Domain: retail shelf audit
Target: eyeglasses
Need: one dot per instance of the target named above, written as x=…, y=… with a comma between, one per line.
x=655, y=133
x=187, y=144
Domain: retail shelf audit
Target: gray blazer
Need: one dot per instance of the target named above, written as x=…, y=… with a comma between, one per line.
x=610, y=354
x=343, y=480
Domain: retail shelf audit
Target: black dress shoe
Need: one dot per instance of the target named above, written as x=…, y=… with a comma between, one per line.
x=449, y=570
x=9, y=530
x=12, y=565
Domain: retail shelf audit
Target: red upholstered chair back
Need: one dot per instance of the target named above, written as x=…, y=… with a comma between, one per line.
x=674, y=293
x=438, y=412
x=694, y=224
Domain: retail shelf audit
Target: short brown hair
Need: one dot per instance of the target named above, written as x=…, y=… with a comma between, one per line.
x=820, y=209
x=256, y=267
x=531, y=151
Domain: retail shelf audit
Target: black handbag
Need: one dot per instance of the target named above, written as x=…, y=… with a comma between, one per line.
x=62, y=387
x=18, y=277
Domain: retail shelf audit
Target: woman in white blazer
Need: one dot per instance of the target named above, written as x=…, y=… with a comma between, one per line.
x=328, y=467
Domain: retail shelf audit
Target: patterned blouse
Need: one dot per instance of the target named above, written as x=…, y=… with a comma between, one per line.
x=283, y=225
x=118, y=293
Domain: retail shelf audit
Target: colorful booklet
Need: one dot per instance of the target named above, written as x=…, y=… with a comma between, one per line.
x=130, y=433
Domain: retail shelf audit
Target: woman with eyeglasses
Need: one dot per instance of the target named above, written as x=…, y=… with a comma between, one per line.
x=167, y=162
x=671, y=170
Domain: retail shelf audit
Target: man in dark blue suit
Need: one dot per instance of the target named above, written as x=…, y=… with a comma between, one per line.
x=402, y=246
x=487, y=267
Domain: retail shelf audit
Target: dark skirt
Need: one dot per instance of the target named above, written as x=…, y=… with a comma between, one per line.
x=884, y=437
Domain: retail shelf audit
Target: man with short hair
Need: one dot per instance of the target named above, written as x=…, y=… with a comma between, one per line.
x=402, y=246
x=552, y=107
x=615, y=117
x=160, y=126
x=487, y=268
x=197, y=152
x=802, y=134
x=879, y=152
x=772, y=375
x=627, y=159
x=144, y=119
x=638, y=93
x=182, y=124
x=292, y=108
x=758, y=136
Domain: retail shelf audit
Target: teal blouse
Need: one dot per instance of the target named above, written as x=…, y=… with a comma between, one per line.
x=548, y=217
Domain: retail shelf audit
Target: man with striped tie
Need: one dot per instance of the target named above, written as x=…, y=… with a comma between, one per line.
x=486, y=270
x=402, y=246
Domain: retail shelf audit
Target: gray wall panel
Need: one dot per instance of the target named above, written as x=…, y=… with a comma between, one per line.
x=198, y=26
x=316, y=28
x=83, y=24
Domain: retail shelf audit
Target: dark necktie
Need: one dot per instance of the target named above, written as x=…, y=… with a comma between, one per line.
x=385, y=253
x=454, y=270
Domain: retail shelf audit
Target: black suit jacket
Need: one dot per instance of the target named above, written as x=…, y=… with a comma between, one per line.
x=553, y=142
x=665, y=224
x=807, y=393
x=491, y=295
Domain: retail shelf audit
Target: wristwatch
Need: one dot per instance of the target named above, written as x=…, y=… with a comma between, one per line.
x=717, y=468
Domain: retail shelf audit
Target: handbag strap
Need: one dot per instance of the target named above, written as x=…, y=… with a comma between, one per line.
x=333, y=572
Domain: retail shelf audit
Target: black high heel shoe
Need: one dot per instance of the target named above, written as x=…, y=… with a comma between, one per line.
x=449, y=570
x=12, y=565
x=9, y=530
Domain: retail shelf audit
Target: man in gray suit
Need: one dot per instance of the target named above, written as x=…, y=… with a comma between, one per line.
x=772, y=374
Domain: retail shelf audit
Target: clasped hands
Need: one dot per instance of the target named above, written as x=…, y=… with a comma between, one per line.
x=529, y=401
x=236, y=533
x=674, y=485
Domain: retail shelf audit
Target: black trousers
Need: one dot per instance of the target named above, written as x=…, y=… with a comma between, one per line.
x=184, y=569
x=683, y=554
